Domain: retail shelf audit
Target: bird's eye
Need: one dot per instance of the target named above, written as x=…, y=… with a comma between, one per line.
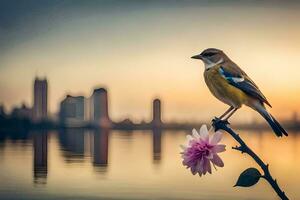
x=208, y=54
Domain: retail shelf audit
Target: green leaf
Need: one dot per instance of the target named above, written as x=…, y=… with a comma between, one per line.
x=248, y=177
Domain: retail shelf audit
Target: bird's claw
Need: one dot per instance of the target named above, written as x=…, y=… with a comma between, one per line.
x=218, y=123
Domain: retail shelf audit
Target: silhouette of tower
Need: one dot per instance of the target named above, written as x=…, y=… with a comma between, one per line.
x=156, y=121
x=100, y=108
x=40, y=157
x=40, y=99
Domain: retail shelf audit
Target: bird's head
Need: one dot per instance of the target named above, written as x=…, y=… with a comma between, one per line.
x=211, y=57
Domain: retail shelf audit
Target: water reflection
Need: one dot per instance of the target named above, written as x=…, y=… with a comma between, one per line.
x=128, y=165
x=100, y=149
x=77, y=144
x=40, y=157
x=72, y=144
x=156, y=145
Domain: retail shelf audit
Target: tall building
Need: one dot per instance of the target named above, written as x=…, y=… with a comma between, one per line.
x=156, y=111
x=100, y=108
x=88, y=109
x=40, y=102
x=72, y=110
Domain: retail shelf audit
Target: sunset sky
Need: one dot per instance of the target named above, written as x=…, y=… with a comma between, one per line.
x=141, y=50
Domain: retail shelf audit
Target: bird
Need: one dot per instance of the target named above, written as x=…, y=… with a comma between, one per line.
x=232, y=86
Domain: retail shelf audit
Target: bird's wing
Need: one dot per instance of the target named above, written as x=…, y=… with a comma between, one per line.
x=240, y=80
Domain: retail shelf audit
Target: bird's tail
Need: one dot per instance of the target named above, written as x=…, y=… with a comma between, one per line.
x=277, y=128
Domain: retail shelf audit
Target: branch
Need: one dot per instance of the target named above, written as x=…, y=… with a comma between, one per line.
x=243, y=148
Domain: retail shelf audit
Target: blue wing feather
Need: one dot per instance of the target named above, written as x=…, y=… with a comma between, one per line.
x=243, y=84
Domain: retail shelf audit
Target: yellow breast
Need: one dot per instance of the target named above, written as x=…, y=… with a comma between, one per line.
x=222, y=90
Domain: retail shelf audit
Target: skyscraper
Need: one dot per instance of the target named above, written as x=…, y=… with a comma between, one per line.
x=156, y=121
x=72, y=110
x=40, y=104
x=100, y=108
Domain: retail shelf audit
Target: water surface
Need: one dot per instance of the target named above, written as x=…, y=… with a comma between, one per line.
x=82, y=164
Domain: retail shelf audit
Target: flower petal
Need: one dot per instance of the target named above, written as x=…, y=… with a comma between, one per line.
x=216, y=138
x=199, y=166
x=195, y=133
x=219, y=148
x=206, y=166
x=204, y=133
x=217, y=161
x=193, y=170
x=210, y=155
x=189, y=138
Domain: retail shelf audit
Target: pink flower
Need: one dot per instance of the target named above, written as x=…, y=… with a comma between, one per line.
x=201, y=150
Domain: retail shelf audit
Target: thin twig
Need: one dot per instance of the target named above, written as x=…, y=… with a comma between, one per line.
x=243, y=148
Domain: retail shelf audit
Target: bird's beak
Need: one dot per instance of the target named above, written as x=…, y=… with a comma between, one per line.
x=197, y=57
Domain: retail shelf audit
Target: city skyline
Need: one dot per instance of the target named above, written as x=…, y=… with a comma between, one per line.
x=77, y=111
x=94, y=112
